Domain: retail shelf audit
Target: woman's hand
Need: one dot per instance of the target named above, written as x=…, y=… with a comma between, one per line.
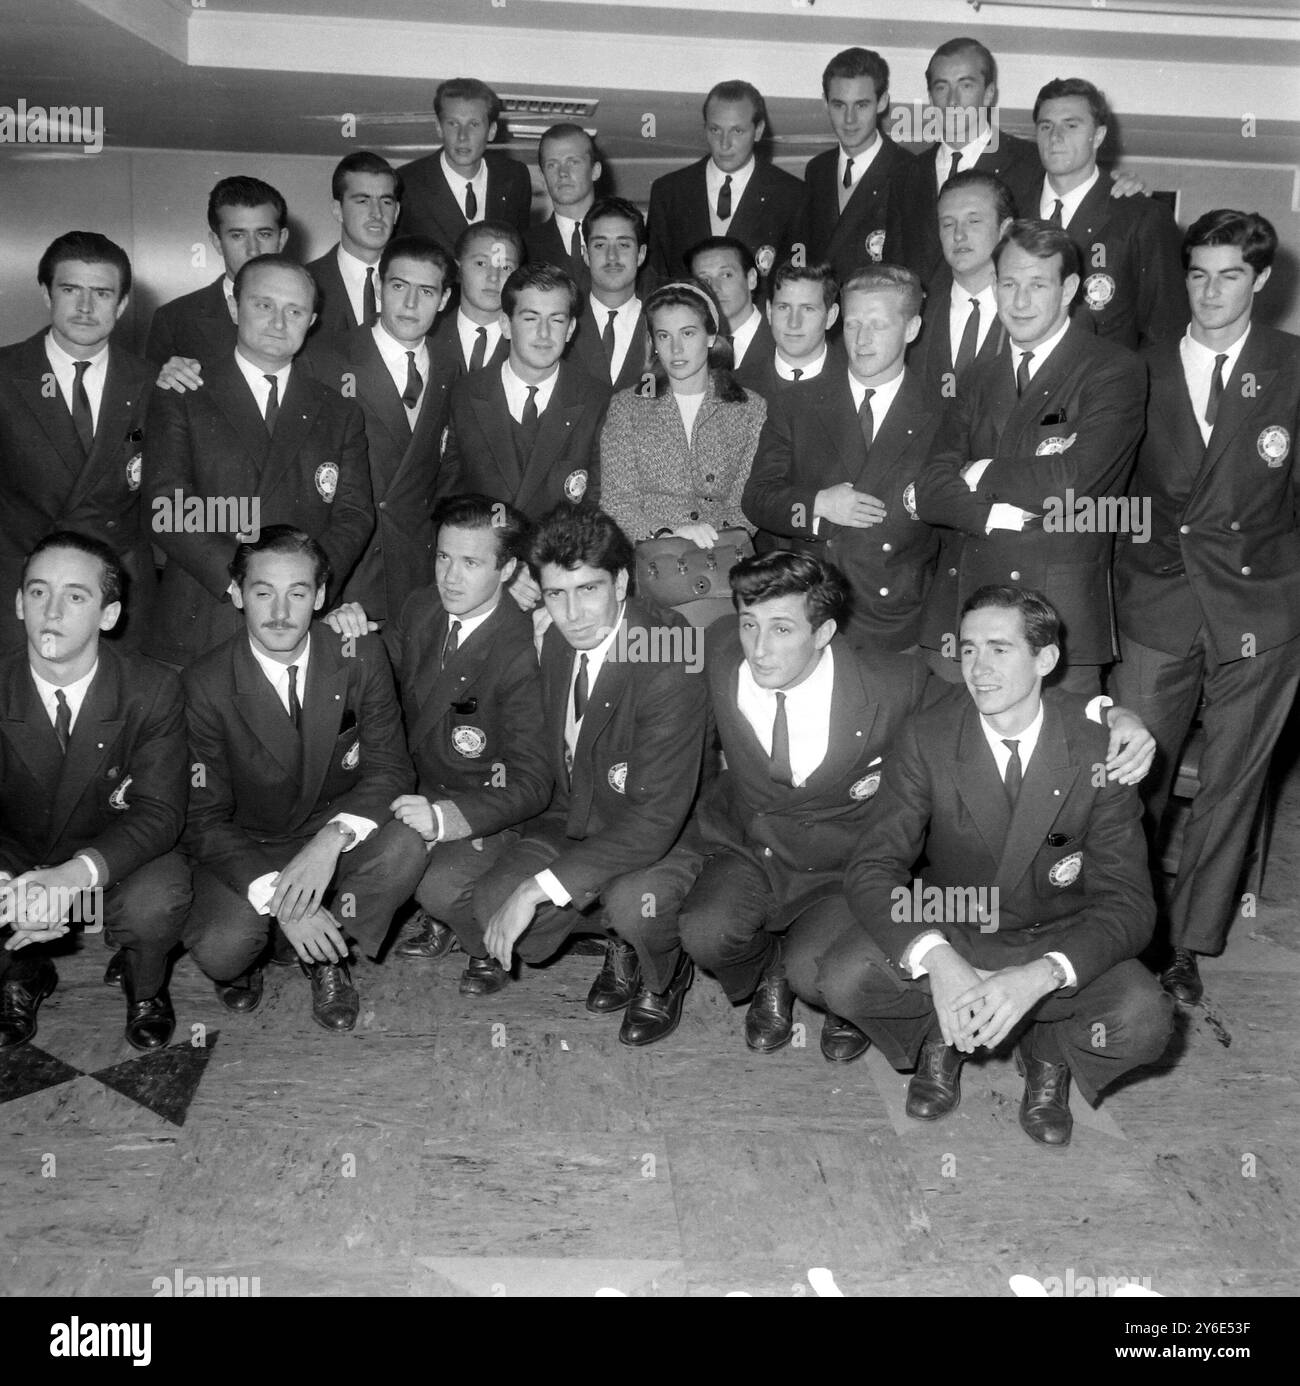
x=701, y=534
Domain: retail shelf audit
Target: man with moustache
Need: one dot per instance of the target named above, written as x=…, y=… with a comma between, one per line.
x=727, y=267
x=261, y=431
x=802, y=308
x=95, y=775
x=367, y=193
x=610, y=342
x=469, y=339
x=296, y=736
x=387, y=369
x=72, y=418
x=727, y=193
x=566, y=154
x=471, y=698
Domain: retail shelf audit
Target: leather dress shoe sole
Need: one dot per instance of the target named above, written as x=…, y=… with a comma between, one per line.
x=653, y=1016
x=241, y=1000
x=151, y=1023
x=16, y=1030
x=483, y=977
x=842, y=1041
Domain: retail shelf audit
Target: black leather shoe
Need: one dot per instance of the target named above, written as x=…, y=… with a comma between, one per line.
x=243, y=995
x=20, y=997
x=334, y=1000
x=116, y=969
x=769, y=1023
x=616, y=982
x=1181, y=979
x=1045, y=1107
x=150, y=1023
x=431, y=938
x=934, y=1089
x=483, y=977
x=842, y=1041
x=653, y=1015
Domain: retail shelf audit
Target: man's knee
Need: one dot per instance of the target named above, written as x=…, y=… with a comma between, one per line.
x=152, y=901
x=1143, y=1016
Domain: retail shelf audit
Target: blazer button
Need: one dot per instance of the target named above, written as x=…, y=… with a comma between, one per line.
x=884, y=591
x=1184, y=529
x=1015, y=577
x=1234, y=525
x=887, y=548
x=708, y=476
x=1245, y=572
x=767, y=851
x=952, y=572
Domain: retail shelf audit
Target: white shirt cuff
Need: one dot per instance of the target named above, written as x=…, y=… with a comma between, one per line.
x=555, y=892
x=363, y=827
x=816, y=526
x=91, y=867
x=1096, y=706
x=975, y=471
x=439, y=827
x=920, y=949
x=261, y=890
x=1071, y=976
x=1004, y=516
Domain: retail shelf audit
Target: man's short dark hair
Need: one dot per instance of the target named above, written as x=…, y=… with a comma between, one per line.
x=422, y=248
x=475, y=511
x=285, y=539
x=546, y=279
x=566, y=130
x=576, y=537
x=1004, y=200
x=362, y=161
x=736, y=90
x=615, y=207
x=1075, y=86
x=741, y=250
x=1042, y=624
x=91, y=249
x=857, y=62
x=1252, y=233
x=111, y=573
x=488, y=230
x=1042, y=240
x=875, y=278
x=787, y=272
x=277, y=261
x=240, y=191
x=954, y=48
x=467, y=89
x=779, y=574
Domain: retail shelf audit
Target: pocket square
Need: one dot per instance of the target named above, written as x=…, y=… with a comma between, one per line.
x=466, y=705
x=1049, y=419
x=348, y=723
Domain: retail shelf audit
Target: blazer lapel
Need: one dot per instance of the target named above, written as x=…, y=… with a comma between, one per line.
x=434, y=704
x=375, y=385
x=852, y=718
x=99, y=724
x=1091, y=215
x=322, y=711
x=493, y=414
x=115, y=409
x=37, y=386
x=263, y=713
x=975, y=775
x=554, y=429
x=605, y=695
x=1174, y=405
x=28, y=729
x=233, y=400
x=298, y=411
x=895, y=436
x=1235, y=407
x=1026, y=410
x=839, y=421
x=1047, y=783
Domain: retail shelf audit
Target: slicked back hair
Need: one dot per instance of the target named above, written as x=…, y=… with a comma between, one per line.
x=475, y=511
x=240, y=191
x=787, y=272
x=1042, y=240
x=1253, y=233
x=90, y=248
x=1075, y=86
x=876, y=278
x=566, y=129
x=576, y=537
x=739, y=248
x=362, y=161
x=285, y=539
x=1041, y=622
x=545, y=278
x=736, y=90
x=857, y=62
x=467, y=89
x=1004, y=200
x=422, y=248
x=954, y=48
x=779, y=574
x=112, y=576
x=615, y=207
x=488, y=231
x=277, y=261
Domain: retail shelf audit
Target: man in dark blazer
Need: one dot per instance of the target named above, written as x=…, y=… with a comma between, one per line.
x=727, y=193
x=862, y=200
x=805, y=724
x=95, y=775
x=261, y=442
x=1033, y=902
x=467, y=667
x=624, y=717
x=463, y=183
x=246, y=217
x=528, y=432
x=1030, y=467
x=566, y=155
x=726, y=266
x=802, y=307
x=610, y=341
x=388, y=370
x=72, y=416
x=837, y=462
x=470, y=338
x=367, y=194
x=295, y=769
x=1210, y=604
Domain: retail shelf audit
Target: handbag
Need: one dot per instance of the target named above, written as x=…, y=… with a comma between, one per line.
x=672, y=571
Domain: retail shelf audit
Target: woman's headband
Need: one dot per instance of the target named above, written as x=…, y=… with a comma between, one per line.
x=685, y=286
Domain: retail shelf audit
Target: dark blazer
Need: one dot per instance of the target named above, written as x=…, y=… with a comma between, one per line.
x=473, y=727
x=587, y=351
x=266, y=786
x=445, y=355
x=197, y=326
x=759, y=371
x=1224, y=547
x=636, y=767
x=212, y=442
x=883, y=220
x=930, y=356
x=1094, y=392
x=119, y=794
x=48, y=483
x=801, y=838
x=1132, y=287
x=811, y=440
x=403, y=465
x=333, y=307
x=1069, y=864
x=430, y=209
x=761, y=345
x=479, y=449
x=767, y=217
x=545, y=246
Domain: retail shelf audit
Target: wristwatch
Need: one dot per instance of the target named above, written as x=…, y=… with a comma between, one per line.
x=1059, y=976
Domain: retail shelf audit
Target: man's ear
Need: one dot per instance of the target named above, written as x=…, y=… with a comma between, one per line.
x=1262, y=278
x=108, y=617
x=824, y=633
x=337, y=209
x=505, y=325
x=1047, y=659
x=508, y=570
x=752, y=280
x=913, y=328
x=620, y=584
x=573, y=327
x=833, y=316
x=1071, y=287
x=320, y=599
x=640, y=255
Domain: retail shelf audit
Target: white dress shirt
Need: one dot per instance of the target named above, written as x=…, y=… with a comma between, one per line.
x=354, y=274
x=65, y=373
x=959, y=313
x=969, y=154
x=457, y=182
x=807, y=714
x=743, y=336
x=517, y=391
x=860, y=162
x=1198, y=369
x=713, y=181
x=570, y=233
x=627, y=326
x=809, y=370
x=394, y=357
x=258, y=383
x=1069, y=201
x=467, y=329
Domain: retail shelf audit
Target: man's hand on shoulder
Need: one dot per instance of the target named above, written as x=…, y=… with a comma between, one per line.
x=182, y=374
x=1131, y=748
x=350, y=619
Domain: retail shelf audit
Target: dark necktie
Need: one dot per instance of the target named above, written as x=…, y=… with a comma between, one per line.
x=580, y=690
x=607, y=338
x=272, y=402
x=529, y=417
x=970, y=335
x=797, y=372
x=372, y=306
x=724, y=199
x=1015, y=772
x=452, y=643
x=471, y=202
x=866, y=420
x=1216, y=390
x=414, y=382
x=62, y=720
x=479, y=354
x=82, y=420
x=848, y=173
x=295, y=707
x=1057, y=209
x=954, y=166
x=576, y=244
x=1022, y=372
x=781, y=772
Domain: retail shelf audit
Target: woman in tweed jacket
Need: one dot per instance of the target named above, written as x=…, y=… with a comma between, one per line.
x=676, y=461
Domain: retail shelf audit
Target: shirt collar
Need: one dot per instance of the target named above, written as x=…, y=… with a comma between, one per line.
x=469, y=624
x=881, y=399
x=1040, y=352
x=1027, y=739
x=256, y=376
x=815, y=688
x=961, y=298
x=457, y=179
x=1207, y=354
x=809, y=368
x=394, y=352
x=969, y=152
x=74, y=693
x=278, y=673
x=60, y=359
x=1069, y=201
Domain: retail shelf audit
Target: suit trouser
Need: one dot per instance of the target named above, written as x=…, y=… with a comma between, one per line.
x=226, y=935
x=639, y=907
x=1247, y=703
x=446, y=890
x=1119, y=1021
x=143, y=915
